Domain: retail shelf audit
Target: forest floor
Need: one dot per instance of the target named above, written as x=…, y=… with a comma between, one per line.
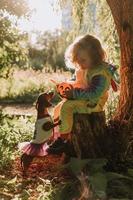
x=47, y=176
x=43, y=175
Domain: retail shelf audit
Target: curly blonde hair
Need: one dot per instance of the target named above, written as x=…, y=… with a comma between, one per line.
x=88, y=43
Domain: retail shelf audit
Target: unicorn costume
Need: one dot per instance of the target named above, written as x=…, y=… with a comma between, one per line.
x=91, y=97
x=79, y=81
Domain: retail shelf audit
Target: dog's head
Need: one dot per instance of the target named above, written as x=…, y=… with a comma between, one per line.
x=44, y=99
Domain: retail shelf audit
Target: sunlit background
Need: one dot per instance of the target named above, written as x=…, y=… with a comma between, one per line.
x=44, y=16
x=35, y=35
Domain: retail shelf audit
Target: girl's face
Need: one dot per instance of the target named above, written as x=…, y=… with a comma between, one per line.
x=83, y=60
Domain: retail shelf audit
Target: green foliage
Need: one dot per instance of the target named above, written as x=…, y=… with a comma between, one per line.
x=14, y=188
x=45, y=190
x=12, y=51
x=98, y=21
x=107, y=31
x=93, y=175
x=94, y=17
x=103, y=184
x=78, y=7
x=26, y=94
x=78, y=12
x=12, y=131
x=49, y=51
x=67, y=191
x=37, y=58
x=76, y=165
x=25, y=85
x=111, y=105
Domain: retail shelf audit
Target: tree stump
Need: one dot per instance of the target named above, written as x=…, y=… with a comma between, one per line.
x=88, y=134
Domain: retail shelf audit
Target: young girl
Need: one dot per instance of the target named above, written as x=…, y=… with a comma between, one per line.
x=94, y=77
x=43, y=132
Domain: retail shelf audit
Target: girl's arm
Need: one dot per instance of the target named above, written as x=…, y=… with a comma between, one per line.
x=98, y=85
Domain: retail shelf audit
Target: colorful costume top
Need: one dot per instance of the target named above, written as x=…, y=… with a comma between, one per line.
x=99, y=80
x=40, y=134
x=88, y=99
x=80, y=79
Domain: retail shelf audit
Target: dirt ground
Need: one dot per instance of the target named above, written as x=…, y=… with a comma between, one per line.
x=20, y=109
x=47, y=168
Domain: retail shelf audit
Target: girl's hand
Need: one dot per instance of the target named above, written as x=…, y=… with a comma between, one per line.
x=69, y=94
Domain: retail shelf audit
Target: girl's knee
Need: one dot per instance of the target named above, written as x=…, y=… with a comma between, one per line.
x=67, y=104
x=66, y=109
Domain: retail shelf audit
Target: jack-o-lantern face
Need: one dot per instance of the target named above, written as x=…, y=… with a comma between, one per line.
x=62, y=87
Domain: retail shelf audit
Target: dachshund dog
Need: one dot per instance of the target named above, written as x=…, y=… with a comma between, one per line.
x=42, y=135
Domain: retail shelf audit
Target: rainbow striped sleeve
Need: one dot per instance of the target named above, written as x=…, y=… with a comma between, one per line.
x=99, y=84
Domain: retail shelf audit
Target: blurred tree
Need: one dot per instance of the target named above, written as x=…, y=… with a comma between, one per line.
x=49, y=50
x=107, y=31
x=15, y=7
x=95, y=19
x=13, y=51
x=37, y=58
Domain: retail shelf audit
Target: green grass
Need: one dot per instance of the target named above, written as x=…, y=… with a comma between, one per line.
x=12, y=131
x=25, y=86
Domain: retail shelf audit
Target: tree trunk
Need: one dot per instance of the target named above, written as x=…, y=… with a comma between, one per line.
x=122, y=11
x=87, y=134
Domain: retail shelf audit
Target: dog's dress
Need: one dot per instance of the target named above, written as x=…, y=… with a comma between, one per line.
x=38, y=146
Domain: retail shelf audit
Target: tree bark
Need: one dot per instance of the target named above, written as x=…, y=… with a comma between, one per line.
x=87, y=134
x=122, y=11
